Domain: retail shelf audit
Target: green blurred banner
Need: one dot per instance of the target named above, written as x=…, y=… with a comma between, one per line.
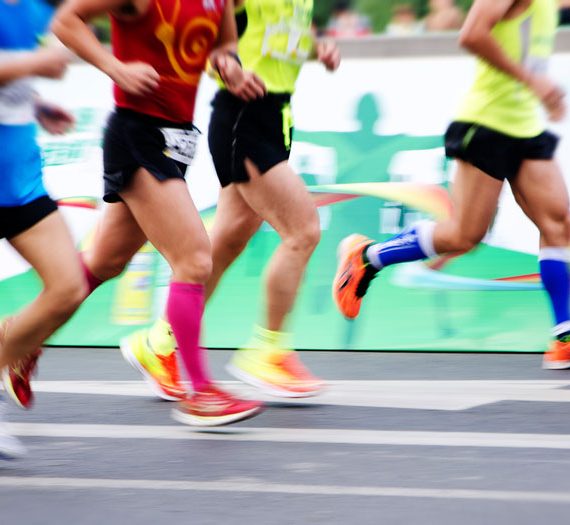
x=374, y=166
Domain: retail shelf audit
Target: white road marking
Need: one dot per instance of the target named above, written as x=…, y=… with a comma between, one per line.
x=297, y=435
x=268, y=487
x=420, y=395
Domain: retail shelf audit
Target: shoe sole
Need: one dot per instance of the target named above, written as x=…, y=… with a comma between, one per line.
x=10, y=391
x=129, y=356
x=197, y=421
x=555, y=365
x=266, y=388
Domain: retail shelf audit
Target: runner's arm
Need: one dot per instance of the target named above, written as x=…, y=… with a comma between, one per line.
x=226, y=46
x=476, y=36
x=70, y=26
x=48, y=63
x=224, y=59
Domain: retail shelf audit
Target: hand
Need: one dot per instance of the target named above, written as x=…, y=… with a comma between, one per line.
x=243, y=84
x=49, y=63
x=136, y=78
x=54, y=119
x=550, y=94
x=328, y=54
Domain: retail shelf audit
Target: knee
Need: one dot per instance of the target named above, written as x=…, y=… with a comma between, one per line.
x=461, y=242
x=229, y=243
x=66, y=297
x=108, y=268
x=195, y=269
x=555, y=230
x=305, y=239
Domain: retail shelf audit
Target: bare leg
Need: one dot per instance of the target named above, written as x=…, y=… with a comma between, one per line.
x=118, y=237
x=475, y=196
x=49, y=248
x=541, y=192
x=169, y=219
x=234, y=226
x=167, y=216
x=281, y=198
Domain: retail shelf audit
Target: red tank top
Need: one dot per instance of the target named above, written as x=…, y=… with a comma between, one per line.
x=176, y=38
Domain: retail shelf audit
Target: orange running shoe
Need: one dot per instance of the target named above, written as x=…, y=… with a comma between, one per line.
x=353, y=275
x=214, y=407
x=557, y=357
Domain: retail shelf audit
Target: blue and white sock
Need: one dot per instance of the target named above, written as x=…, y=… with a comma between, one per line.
x=556, y=280
x=411, y=244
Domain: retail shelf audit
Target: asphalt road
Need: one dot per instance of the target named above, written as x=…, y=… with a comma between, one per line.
x=396, y=439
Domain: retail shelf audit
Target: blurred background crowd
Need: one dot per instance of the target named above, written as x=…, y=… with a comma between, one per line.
x=356, y=18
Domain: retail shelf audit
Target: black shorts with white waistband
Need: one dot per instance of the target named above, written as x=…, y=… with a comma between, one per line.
x=15, y=220
x=495, y=153
x=134, y=140
x=260, y=131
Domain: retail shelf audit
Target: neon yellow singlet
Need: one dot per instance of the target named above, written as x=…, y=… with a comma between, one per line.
x=498, y=101
x=277, y=41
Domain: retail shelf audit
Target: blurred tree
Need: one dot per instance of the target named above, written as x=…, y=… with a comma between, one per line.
x=379, y=11
x=102, y=28
x=322, y=11
x=381, y=14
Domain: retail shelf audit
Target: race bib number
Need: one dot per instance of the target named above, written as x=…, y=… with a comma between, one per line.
x=181, y=144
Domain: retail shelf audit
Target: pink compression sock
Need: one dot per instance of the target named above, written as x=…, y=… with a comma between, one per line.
x=92, y=282
x=184, y=310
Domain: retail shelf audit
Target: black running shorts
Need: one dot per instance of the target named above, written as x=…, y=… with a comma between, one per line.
x=260, y=130
x=17, y=219
x=495, y=153
x=133, y=140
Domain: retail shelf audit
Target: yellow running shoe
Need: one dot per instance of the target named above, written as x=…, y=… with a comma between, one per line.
x=156, y=361
x=263, y=363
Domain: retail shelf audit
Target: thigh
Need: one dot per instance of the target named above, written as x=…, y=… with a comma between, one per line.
x=117, y=238
x=279, y=197
x=475, y=196
x=166, y=214
x=49, y=248
x=541, y=192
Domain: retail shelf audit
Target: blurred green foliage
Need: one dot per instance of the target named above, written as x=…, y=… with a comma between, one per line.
x=379, y=11
x=102, y=28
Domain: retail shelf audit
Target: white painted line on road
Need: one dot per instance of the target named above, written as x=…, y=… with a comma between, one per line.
x=299, y=435
x=418, y=395
x=267, y=487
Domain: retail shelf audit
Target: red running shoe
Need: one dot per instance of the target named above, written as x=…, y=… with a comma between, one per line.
x=17, y=380
x=213, y=407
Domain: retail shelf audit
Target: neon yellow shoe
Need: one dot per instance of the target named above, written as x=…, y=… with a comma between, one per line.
x=153, y=353
x=265, y=364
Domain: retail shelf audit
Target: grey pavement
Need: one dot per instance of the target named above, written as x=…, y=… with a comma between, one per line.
x=311, y=461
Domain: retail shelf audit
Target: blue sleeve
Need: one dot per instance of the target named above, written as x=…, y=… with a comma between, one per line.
x=42, y=13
